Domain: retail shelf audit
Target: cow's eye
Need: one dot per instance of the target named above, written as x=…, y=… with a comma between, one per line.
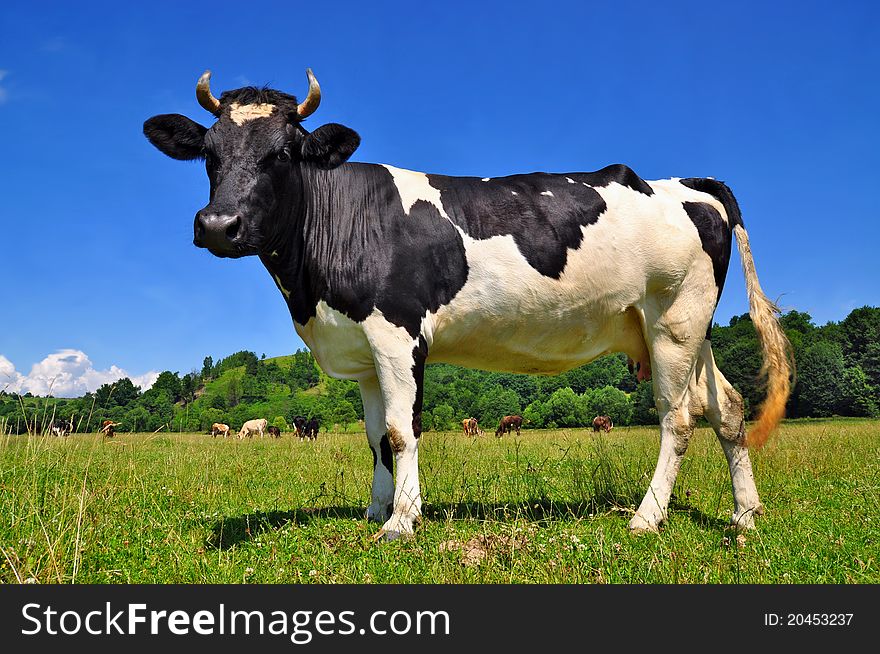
x=283, y=156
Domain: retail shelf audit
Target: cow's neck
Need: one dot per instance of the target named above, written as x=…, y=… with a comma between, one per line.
x=317, y=255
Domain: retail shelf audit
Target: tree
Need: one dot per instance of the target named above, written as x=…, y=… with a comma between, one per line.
x=495, y=404
x=820, y=389
x=122, y=392
x=169, y=382
x=566, y=409
x=858, y=394
x=137, y=418
x=208, y=368
x=535, y=415
x=342, y=413
x=444, y=418
x=644, y=408
x=858, y=330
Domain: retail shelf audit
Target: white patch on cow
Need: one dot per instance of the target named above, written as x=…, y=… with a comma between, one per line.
x=281, y=288
x=570, y=180
x=240, y=113
x=337, y=343
x=514, y=193
x=486, y=179
x=549, y=193
x=413, y=186
x=673, y=188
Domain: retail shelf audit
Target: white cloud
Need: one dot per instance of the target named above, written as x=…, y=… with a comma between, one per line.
x=65, y=373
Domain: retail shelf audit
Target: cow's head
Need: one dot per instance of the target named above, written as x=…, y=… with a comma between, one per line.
x=255, y=155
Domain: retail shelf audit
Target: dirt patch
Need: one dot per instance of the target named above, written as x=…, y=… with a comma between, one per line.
x=475, y=550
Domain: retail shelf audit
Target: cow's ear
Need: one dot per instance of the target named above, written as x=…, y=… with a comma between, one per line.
x=177, y=136
x=330, y=145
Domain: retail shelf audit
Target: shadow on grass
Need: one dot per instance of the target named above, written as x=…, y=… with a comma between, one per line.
x=231, y=531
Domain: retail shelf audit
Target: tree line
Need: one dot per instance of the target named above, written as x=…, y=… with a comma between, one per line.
x=838, y=373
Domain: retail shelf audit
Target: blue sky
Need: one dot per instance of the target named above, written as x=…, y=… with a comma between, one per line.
x=780, y=100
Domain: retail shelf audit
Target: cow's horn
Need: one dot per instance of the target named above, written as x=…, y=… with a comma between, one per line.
x=313, y=99
x=203, y=93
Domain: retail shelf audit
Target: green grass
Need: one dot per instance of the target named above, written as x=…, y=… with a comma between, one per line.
x=547, y=507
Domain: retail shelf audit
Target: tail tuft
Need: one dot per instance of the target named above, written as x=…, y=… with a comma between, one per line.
x=778, y=367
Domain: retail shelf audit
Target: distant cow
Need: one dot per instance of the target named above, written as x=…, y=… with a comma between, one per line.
x=310, y=430
x=61, y=427
x=471, y=427
x=602, y=423
x=108, y=428
x=507, y=423
x=219, y=429
x=274, y=431
x=253, y=426
x=299, y=424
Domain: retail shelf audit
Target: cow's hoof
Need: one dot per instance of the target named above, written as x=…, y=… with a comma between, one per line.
x=744, y=520
x=639, y=525
x=397, y=526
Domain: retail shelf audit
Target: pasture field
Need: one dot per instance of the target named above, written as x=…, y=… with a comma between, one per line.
x=545, y=507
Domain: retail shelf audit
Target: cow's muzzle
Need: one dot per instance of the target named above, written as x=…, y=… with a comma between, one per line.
x=219, y=233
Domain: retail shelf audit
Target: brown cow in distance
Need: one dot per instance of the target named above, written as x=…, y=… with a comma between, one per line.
x=507, y=423
x=274, y=431
x=471, y=427
x=107, y=428
x=218, y=429
x=603, y=423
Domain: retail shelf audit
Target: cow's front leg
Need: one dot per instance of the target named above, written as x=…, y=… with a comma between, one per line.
x=381, y=504
x=400, y=366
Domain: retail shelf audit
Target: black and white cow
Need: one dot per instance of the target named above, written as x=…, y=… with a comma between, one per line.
x=385, y=269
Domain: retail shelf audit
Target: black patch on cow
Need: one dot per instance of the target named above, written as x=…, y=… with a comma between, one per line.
x=619, y=173
x=715, y=237
x=719, y=190
x=544, y=227
x=420, y=354
x=359, y=251
x=386, y=455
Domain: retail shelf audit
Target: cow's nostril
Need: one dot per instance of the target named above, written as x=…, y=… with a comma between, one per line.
x=232, y=228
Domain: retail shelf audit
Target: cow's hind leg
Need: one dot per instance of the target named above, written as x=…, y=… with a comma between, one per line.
x=723, y=408
x=675, y=330
x=381, y=504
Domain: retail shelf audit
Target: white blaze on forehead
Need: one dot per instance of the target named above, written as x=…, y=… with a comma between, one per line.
x=413, y=186
x=239, y=113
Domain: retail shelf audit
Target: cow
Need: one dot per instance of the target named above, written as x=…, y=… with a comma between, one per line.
x=385, y=269
x=61, y=427
x=108, y=428
x=252, y=427
x=219, y=429
x=471, y=427
x=507, y=423
x=603, y=423
x=310, y=429
x=299, y=425
x=274, y=431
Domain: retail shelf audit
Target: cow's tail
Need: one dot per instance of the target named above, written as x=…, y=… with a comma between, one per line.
x=778, y=367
